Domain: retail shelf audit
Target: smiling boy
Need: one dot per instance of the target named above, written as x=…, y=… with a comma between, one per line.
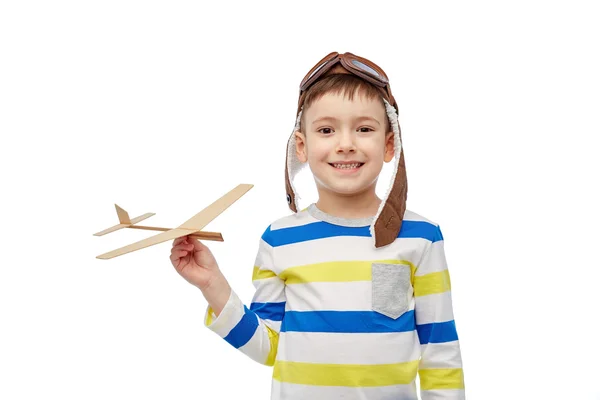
x=345, y=138
x=352, y=295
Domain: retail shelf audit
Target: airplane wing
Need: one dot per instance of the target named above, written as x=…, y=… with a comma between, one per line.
x=152, y=240
x=200, y=220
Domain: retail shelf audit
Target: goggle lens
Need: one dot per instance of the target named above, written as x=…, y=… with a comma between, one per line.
x=366, y=68
x=317, y=70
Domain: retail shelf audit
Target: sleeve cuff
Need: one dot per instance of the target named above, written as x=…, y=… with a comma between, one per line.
x=228, y=318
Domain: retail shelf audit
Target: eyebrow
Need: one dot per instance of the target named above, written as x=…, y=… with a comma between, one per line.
x=363, y=118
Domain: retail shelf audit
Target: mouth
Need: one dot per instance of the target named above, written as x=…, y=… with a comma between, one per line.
x=347, y=166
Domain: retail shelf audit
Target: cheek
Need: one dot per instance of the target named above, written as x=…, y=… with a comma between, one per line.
x=374, y=150
x=318, y=153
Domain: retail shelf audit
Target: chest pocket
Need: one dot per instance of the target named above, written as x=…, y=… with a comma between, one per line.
x=391, y=289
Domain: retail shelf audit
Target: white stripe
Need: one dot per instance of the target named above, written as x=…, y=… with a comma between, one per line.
x=291, y=391
x=413, y=216
x=346, y=248
x=349, y=348
x=289, y=221
x=269, y=290
x=275, y=325
x=338, y=296
x=434, y=308
x=454, y=394
x=434, y=259
x=303, y=217
x=264, y=258
x=441, y=355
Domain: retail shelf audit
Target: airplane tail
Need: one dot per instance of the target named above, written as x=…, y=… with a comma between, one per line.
x=123, y=215
x=124, y=221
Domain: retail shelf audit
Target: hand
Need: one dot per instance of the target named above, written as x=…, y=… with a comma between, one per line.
x=194, y=261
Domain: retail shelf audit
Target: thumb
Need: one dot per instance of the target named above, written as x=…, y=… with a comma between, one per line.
x=198, y=245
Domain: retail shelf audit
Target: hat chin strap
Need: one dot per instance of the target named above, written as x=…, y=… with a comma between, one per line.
x=294, y=165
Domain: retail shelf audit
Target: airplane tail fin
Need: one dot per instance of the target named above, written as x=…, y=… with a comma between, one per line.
x=123, y=216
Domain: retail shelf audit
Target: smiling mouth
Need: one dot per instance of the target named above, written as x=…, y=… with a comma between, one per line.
x=347, y=166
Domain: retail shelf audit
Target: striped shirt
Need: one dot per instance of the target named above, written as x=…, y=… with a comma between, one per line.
x=338, y=318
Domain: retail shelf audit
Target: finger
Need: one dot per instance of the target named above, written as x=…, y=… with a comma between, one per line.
x=178, y=254
x=182, y=246
x=179, y=240
x=187, y=259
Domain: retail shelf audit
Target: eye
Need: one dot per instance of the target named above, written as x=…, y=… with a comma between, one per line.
x=367, y=129
x=323, y=129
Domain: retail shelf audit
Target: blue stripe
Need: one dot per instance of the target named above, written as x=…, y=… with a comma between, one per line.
x=437, y=235
x=440, y=332
x=272, y=311
x=321, y=230
x=244, y=330
x=346, y=322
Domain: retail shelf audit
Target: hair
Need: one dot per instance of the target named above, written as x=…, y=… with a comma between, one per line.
x=347, y=84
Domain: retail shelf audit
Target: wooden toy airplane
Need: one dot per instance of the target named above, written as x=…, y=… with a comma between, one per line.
x=190, y=227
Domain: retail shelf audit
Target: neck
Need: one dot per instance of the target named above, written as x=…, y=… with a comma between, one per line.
x=360, y=205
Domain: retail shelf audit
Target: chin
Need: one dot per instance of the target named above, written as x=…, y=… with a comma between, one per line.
x=345, y=190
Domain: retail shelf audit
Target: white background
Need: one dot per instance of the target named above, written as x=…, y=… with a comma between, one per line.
x=165, y=106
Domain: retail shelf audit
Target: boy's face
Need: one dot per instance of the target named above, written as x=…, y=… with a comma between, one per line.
x=338, y=130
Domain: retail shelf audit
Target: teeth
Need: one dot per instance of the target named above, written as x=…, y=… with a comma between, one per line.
x=346, y=166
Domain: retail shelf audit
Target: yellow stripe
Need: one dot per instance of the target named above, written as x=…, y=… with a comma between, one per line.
x=345, y=374
x=450, y=378
x=336, y=271
x=274, y=339
x=258, y=273
x=435, y=282
x=209, y=316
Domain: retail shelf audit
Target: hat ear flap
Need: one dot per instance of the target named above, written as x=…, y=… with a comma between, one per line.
x=388, y=220
x=292, y=166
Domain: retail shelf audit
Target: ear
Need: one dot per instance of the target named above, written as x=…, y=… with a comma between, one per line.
x=389, y=147
x=300, y=146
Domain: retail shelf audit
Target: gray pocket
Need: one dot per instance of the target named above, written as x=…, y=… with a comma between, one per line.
x=391, y=289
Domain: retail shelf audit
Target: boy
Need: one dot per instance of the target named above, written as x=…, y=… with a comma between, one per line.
x=352, y=293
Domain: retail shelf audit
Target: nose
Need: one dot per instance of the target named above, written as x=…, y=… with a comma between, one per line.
x=346, y=143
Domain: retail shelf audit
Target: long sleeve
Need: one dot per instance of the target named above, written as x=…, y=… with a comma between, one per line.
x=440, y=369
x=255, y=330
